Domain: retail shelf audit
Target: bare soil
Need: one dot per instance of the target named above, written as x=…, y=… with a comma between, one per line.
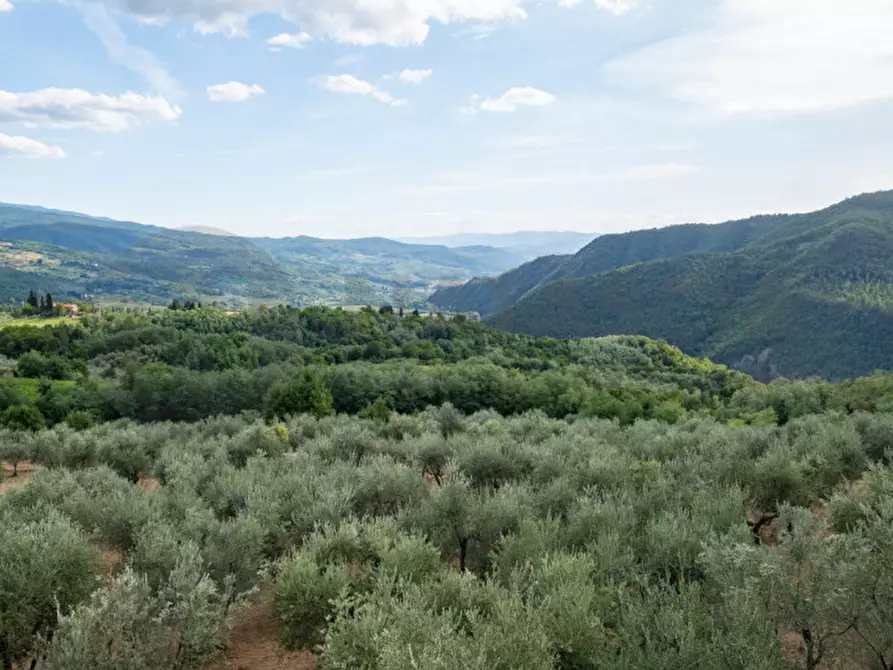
x=8, y=482
x=149, y=484
x=253, y=644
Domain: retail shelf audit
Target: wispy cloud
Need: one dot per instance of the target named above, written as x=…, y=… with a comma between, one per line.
x=478, y=31
x=136, y=59
x=25, y=146
x=510, y=101
x=6, y=6
x=415, y=76
x=613, y=6
x=359, y=22
x=233, y=91
x=345, y=83
x=290, y=40
x=75, y=108
x=770, y=57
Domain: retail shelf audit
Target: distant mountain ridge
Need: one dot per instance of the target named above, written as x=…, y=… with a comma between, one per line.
x=526, y=244
x=793, y=295
x=78, y=256
x=207, y=230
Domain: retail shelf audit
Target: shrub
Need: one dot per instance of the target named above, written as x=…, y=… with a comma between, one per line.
x=79, y=420
x=46, y=566
x=304, y=597
x=23, y=417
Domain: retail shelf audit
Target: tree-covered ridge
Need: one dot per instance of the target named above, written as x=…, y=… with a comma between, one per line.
x=77, y=256
x=810, y=297
x=612, y=252
x=488, y=295
x=187, y=365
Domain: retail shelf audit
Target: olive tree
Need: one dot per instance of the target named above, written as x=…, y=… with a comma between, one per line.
x=46, y=566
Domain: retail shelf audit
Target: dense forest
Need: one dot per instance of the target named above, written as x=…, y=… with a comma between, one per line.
x=797, y=296
x=403, y=492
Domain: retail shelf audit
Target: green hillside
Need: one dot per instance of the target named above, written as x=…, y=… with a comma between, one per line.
x=605, y=253
x=812, y=296
x=80, y=257
x=488, y=295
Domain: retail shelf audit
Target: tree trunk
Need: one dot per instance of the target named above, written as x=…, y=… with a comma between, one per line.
x=813, y=655
x=463, y=553
x=5, y=654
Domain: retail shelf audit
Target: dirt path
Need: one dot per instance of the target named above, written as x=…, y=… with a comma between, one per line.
x=253, y=644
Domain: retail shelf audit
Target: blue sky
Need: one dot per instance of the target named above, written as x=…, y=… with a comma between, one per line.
x=341, y=118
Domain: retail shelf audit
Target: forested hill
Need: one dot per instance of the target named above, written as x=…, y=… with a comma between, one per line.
x=811, y=295
x=196, y=363
x=612, y=252
x=488, y=295
x=98, y=259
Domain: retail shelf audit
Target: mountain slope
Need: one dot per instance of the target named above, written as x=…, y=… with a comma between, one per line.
x=812, y=296
x=606, y=253
x=610, y=252
x=491, y=294
x=101, y=259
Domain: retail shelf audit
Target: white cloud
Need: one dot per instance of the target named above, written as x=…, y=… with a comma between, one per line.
x=362, y=22
x=136, y=59
x=774, y=57
x=617, y=6
x=346, y=83
x=293, y=41
x=415, y=76
x=75, y=108
x=613, y=6
x=6, y=6
x=233, y=91
x=12, y=144
x=510, y=101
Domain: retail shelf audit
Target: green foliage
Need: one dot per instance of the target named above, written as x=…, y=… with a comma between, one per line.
x=79, y=420
x=305, y=395
x=128, y=625
x=23, y=417
x=46, y=566
x=304, y=598
x=377, y=411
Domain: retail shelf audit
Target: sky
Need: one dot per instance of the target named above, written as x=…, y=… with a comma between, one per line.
x=347, y=118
